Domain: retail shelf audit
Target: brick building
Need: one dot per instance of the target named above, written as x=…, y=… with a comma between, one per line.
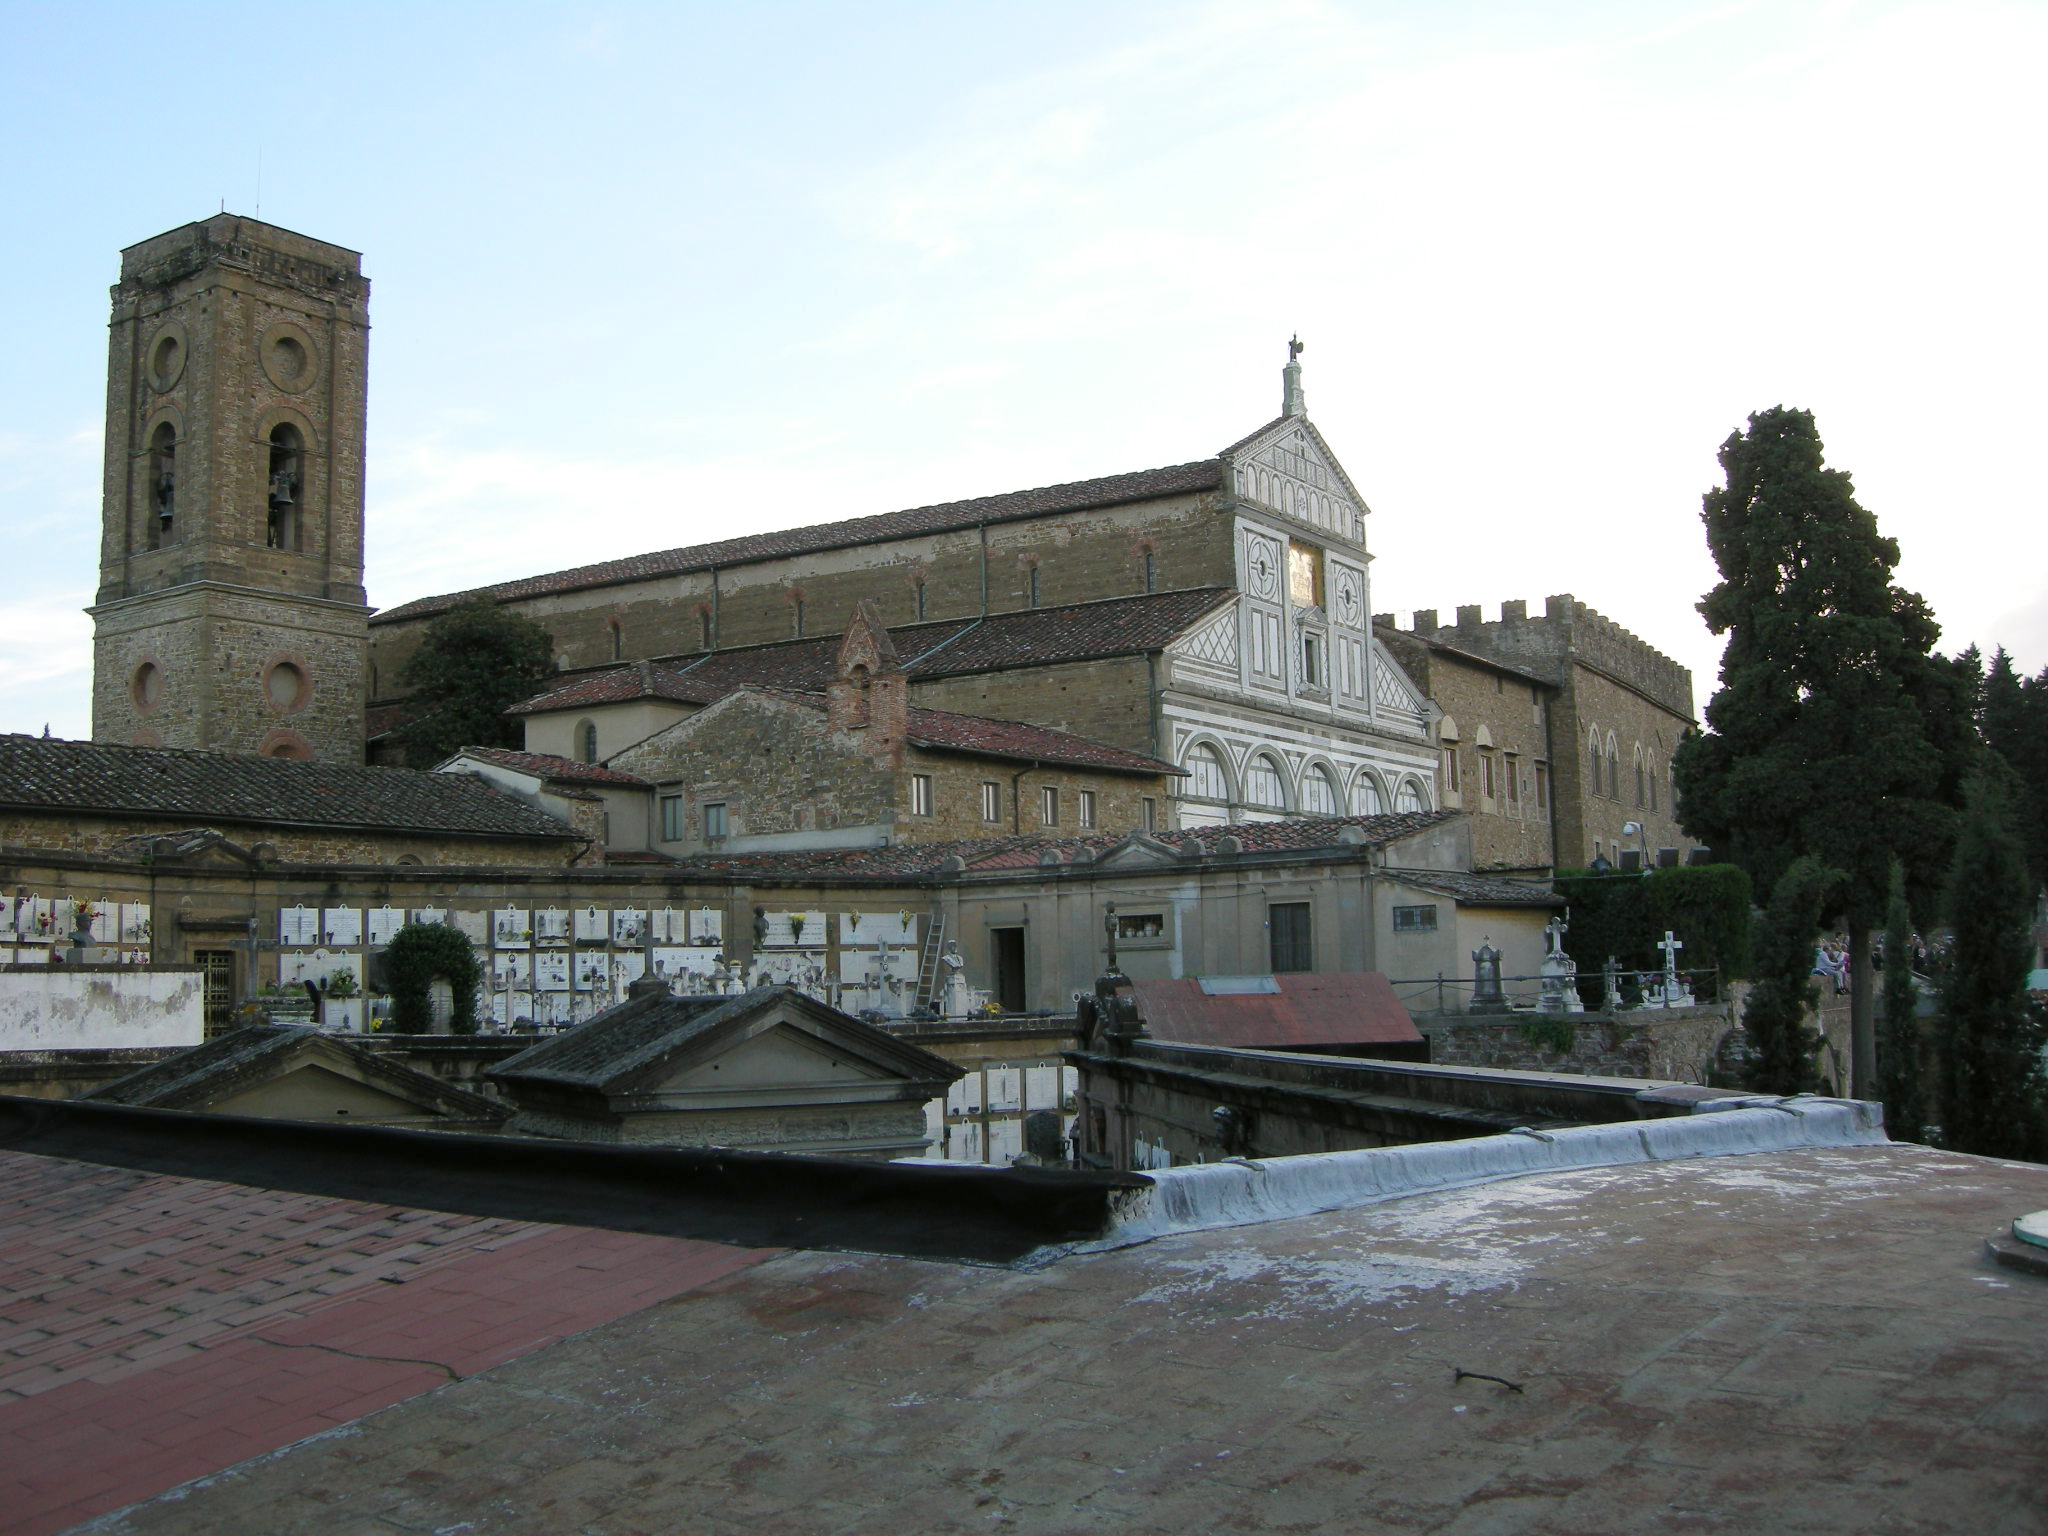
x=1573, y=693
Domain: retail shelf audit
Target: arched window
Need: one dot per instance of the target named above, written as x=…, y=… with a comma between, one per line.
x=1613, y=768
x=286, y=486
x=1410, y=797
x=1650, y=773
x=1366, y=793
x=1206, y=778
x=586, y=740
x=618, y=637
x=1641, y=797
x=704, y=627
x=1320, y=793
x=1263, y=785
x=1593, y=762
x=163, y=484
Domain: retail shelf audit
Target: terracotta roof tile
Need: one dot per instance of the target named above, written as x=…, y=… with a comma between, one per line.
x=1479, y=890
x=1342, y=834
x=41, y=774
x=553, y=769
x=1109, y=490
x=1117, y=626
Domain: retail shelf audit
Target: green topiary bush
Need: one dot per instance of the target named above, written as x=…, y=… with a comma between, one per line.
x=417, y=954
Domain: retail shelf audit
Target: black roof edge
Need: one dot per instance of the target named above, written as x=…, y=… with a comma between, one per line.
x=966, y=1214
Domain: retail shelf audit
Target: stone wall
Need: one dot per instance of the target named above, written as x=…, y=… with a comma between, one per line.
x=1674, y=1045
x=1109, y=700
x=1487, y=712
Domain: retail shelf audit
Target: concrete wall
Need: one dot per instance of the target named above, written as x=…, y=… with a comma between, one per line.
x=101, y=1007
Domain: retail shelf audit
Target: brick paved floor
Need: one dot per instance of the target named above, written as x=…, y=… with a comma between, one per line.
x=1789, y=1343
x=156, y=1329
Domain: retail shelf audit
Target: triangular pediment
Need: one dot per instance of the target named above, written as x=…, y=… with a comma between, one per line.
x=1287, y=468
x=1137, y=851
x=781, y=1056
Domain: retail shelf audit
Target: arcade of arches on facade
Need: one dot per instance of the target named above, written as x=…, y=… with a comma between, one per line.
x=1263, y=785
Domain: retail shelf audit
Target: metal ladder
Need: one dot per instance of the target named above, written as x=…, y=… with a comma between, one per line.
x=928, y=963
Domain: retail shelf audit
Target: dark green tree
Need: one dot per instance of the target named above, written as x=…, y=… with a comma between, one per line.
x=1782, y=990
x=2014, y=718
x=473, y=663
x=418, y=955
x=1898, y=1044
x=1836, y=731
x=1991, y=1079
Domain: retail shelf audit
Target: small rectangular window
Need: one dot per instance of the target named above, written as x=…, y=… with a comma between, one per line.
x=991, y=801
x=1415, y=919
x=1542, y=788
x=1311, y=661
x=1049, y=806
x=714, y=819
x=1514, y=778
x=1141, y=925
x=1487, y=786
x=920, y=794
x=1084, y=807
x=1151, y=807
x=672, y=818
x=1452, y=782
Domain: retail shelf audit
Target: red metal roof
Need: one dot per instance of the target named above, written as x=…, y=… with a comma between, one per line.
x=1350, y=1008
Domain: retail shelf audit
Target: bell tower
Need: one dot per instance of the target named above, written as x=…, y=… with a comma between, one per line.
x=230, y=613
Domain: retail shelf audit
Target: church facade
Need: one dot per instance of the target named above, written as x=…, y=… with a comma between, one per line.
x=1216, y=614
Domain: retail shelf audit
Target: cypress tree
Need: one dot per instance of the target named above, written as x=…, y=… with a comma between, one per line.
x=1991, y=1078
x=1782, y=990
x=2015, y=724
x=1898, y=1046
x=1836, y=732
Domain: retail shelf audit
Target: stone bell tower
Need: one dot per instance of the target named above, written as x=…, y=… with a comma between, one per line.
x=230, y=614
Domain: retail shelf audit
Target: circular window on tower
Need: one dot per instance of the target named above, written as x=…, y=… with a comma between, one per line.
x=288, y=685
x=146, y=688
x=163, y=362
x=288, y=356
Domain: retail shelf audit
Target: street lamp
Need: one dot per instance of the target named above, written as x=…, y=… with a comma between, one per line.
x=1642, y=838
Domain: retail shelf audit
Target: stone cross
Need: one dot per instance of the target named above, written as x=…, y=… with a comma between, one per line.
x=1671, y=946
x=1553, y=935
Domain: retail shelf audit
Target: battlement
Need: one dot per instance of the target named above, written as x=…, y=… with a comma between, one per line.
x=1567, y=631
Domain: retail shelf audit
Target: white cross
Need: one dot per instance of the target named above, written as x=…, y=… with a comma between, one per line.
x=1671, y=946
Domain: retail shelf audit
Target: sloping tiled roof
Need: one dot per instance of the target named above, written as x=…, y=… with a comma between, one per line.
x=1479, y=890
x=1012, y=740
x=553, y=769
x=1019, y=742
x=40, y=774
x=1345, y=834
x=628, y=1046
x=239, y=1060
x=1109, y=490
x=1116, y=626
x=1305, y=1010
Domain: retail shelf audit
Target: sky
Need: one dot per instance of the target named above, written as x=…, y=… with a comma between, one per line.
x=650, y=275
